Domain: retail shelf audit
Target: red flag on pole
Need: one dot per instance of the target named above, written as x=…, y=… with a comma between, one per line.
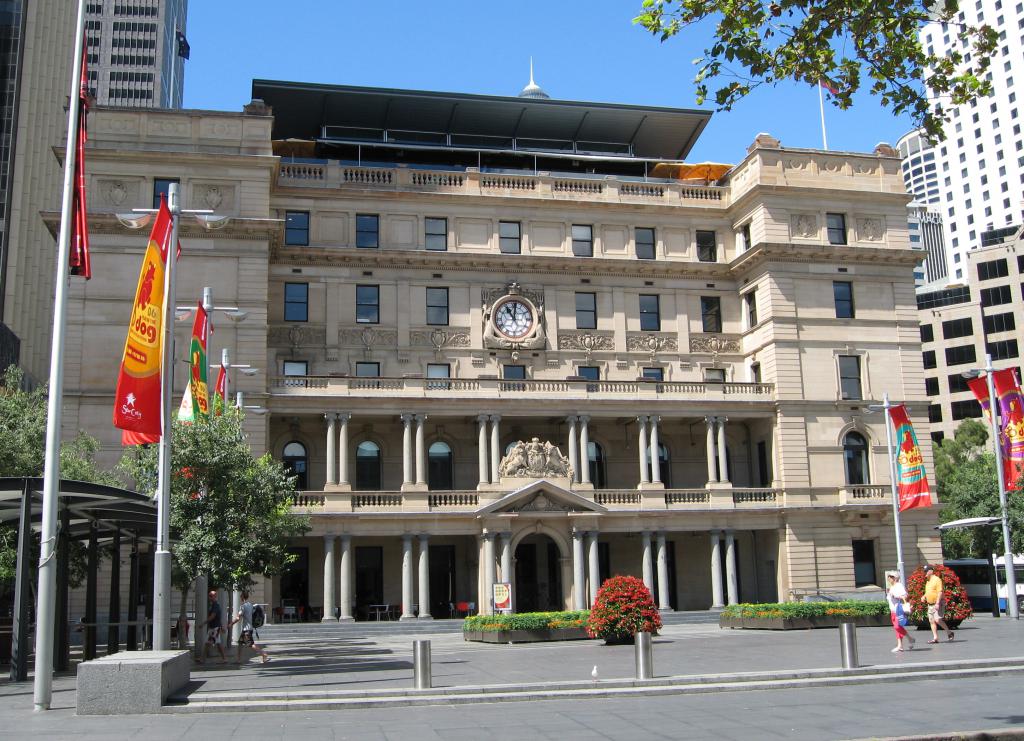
x=1011, y=414
x=911, y=480
x=222, y=389
x=78, y=257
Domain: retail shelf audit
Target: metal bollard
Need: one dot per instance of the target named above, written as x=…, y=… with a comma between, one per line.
x=848, y=645
x=421, y=664
x=644, y=649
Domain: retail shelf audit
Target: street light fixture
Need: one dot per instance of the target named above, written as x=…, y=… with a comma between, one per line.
x=980, y=522
x=1012, y=608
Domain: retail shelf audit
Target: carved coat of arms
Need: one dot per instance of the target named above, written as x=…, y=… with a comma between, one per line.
x=535, y=460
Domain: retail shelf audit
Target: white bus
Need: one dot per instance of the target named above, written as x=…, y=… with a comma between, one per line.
x=974, y=575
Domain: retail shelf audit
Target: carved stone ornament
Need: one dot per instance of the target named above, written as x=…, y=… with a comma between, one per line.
x=535, y=460
x=870, y=229
x=368, y=337
x=439, y=338
x=650, y=343
x=805, y=226
x=588, y=342
x=541, y=503
x=295, y=336
x=116, y=192
x=513, y=318
x=714, y=344
x=213, y=196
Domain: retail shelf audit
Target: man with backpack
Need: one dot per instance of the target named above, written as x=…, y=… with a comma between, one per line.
x=252, y=617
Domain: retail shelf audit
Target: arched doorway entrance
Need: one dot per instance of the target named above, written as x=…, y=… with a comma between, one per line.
x=538, y=584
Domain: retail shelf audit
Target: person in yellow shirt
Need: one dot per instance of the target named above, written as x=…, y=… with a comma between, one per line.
x=936, y=604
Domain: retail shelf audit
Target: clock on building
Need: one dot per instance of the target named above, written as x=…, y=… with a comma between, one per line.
x=513, y=318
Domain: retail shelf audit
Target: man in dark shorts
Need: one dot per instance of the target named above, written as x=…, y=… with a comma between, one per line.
x=246, y=638
x=214, y=628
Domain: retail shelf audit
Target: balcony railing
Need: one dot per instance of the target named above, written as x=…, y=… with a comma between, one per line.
x=496, y=388
x=332, y=174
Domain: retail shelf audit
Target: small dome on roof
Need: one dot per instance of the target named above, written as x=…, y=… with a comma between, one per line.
x=533, y=90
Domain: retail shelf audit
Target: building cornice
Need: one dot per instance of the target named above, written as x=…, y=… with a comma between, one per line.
x=235, y=227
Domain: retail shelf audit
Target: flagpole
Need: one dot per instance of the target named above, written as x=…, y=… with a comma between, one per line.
x=162, y=556
x=821, y=105
x=47, y=590
x=886, y=406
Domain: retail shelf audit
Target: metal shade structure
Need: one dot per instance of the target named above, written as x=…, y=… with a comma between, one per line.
x=969, y=522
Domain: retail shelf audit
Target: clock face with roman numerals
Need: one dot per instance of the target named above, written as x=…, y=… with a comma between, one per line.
x=513, y=318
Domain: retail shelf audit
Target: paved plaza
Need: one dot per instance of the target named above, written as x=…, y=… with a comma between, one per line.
x=361, y=657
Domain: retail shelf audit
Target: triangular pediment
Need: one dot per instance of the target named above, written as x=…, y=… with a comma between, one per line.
x=541, y=497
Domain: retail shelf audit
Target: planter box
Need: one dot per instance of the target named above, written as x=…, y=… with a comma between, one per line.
x=526, y=636
x=823, y=621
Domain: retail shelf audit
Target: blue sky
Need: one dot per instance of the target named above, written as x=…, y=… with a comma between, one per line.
x=582, y=51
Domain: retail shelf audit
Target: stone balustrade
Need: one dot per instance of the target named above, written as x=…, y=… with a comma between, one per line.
x=865, y=494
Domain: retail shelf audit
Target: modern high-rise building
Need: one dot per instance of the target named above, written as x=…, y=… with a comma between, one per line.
x=920, y=175
x=981, y=158
x=134, y=57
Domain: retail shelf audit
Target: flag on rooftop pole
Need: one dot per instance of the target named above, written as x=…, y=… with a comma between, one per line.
x=911, y=479
x=78, y=257
x=137, y=400
x=1011, y=414
x=183, y=48
x=196, y=400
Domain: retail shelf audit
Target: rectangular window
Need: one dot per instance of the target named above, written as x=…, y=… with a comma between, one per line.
x=849, y=377
x=995, y=296
x=591, y=373
x=296, y=302
x=957, y=328
x=368, y=304
x=436, y=234
x=750, y=301
x=368, y=231
x=927, y=333
x=934, y=412
x=437, y=306
x=296, y=227
x=864, y=571
x=966, y=409
x=745, y=241
x=931, y=386
x=644, y=238
x=842, y=293
x=1002, y=349
x=510, y=237
x=836, y=228
x=367, y=370
x=162, y=187
x=707, y=246
x=928, y=359
x=438, y=370
x=653, y=374
x=999, y=323
x=714, y=375
x=582, y=240
x=992, y=269
x=711, y=313
x=296, y=368
x=586, y=311
x=513, y=373
x=755, y=373
x=957, y=383
x=960, y=355
x=650, y=313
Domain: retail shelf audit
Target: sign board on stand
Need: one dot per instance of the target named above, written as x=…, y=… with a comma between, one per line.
x=502, y=593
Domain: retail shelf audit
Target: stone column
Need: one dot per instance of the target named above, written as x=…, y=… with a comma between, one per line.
x=407, y=474
x=486, y=599
x=663, y=585
x=343, y=419
x=642, y=444
x=579, y=573
x=723, y=465
x=495, y=450
x=730, y=567
x=421, y=451
x=655, y=451
x=712, y=475
x=584, y=449
x=481, y=448
x=345, y=580
x=506, y=556
x=236, y=605
x=594, y=566
x=648, y=562
x=425, y=577
x=201, y=609
x=717, y=600
x=329, y=601
x=407, y=613
x=574, y=451
x=332, y=466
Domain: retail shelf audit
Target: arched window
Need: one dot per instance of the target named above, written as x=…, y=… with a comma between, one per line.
x=855, y=453
x=295, y=460
x=595, y=454
x=368, y=466
x=664, y=463
x=440, y=473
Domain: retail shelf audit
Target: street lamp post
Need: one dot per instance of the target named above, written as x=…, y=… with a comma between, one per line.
x=884, y=407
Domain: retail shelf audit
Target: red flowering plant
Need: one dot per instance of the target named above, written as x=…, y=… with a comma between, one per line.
x=958, y=607
x=623, y=607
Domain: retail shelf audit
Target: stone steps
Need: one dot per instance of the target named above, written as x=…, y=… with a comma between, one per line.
x=250, y=701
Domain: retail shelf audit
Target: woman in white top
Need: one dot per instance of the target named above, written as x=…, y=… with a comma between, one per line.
x=898, y=603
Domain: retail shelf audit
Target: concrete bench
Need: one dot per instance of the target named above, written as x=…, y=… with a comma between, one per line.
x=131, y=682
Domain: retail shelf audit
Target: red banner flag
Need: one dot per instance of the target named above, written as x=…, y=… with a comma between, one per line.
x=1011, y=437
x=911, y=480
x=979, y=387
x=196, y=400
x=137, y=438
x=222, y=389
x=137, y=402
x=78, y=257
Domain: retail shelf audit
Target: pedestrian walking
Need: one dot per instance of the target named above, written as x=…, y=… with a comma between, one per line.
x=899, y=611
x=936, y=603
x=214, y=628
x=245, y=616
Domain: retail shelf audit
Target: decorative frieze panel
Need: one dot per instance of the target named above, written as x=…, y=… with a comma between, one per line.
x=650, y=342
x=870, y=229
x=120, y=193
x=368, y=337
x=587, y=342
x=805, y=226
x=218, y=197
x=296, y=336
x=439, y=338
x=714, y=344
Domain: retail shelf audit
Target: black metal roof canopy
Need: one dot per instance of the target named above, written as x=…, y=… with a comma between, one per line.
x=109, y=507
x=302, y=110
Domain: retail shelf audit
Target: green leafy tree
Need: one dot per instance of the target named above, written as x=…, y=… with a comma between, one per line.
x=845, y=43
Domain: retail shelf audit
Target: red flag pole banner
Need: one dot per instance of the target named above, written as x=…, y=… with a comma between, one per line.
x=78, y=257
x=1011, y=437
x=137, y=402
x=196, y=400
x=222, y=389
x=911, y=480
x=979, y=387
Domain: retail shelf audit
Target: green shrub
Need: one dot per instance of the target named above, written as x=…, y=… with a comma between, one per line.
x=526, y=621
x=846, y=608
